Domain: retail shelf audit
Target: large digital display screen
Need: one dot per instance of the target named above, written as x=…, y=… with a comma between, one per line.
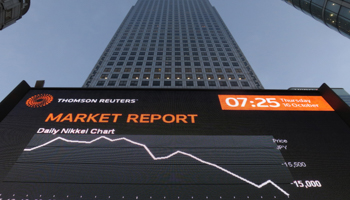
x=173, y=144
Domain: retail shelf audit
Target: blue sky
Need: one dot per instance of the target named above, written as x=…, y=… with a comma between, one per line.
x=60, y=42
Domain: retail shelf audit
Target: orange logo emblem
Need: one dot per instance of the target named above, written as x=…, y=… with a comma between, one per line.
x=39, y=100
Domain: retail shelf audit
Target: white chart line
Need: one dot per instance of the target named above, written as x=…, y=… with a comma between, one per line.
x=163, y=158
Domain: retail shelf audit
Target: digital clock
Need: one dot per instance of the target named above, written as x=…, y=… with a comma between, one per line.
x=269, y=102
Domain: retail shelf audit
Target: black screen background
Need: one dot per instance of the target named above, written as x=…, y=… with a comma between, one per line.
x=320, y=139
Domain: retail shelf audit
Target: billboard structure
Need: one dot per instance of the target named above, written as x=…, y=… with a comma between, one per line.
x=63, y=143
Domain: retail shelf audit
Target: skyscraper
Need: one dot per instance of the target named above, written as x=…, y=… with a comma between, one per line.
x=173, y=44
x=11, y=11
x=333, y=13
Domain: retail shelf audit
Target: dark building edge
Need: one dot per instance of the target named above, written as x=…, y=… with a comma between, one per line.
x=12, y=99
x=340, y=107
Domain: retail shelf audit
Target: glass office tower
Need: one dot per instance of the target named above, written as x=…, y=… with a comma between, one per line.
x=173, y=44
x=333, y=13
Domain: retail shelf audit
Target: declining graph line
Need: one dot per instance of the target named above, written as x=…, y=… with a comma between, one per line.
x=162, y=157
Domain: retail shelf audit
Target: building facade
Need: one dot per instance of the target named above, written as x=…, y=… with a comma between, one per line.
x=333, y=13
x=11, y=11
x=173, y=44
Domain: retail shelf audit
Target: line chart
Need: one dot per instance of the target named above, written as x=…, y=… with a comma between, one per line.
x=161, y=158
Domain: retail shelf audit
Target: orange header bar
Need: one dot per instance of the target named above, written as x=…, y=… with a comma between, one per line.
x=271, y=102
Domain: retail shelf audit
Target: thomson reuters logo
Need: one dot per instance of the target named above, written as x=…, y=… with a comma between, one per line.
x=39, y=100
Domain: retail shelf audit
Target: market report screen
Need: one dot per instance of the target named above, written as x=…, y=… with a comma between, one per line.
x=173, y=144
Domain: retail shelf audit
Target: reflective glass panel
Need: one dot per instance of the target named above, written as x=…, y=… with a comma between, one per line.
x=331, y=19
x=316, y=11
x=344, y=21
x=331, y=6
x=296, y=4
x=305, y=6
x=318, y=2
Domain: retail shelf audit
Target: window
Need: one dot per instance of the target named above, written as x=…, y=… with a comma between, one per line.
x=178, y=76
x=127, y=70
x=144, y=83
x=100, y=83
x=223, y=83
x=234, y=83
x=111, y=83
x=110, y=63
x=188, y=69
x=210, y=76
x=211, y=83
x=167, y=83
x=104, y=76
x=241, y=77
x=158, y=70
x=137, y=70
x=120, y=63
x=114, y=76
x=200, y=83
x=208, y=70
x=125, y=76
x=146, y=76
x=122, y=83
x=107, y=69
x=133, y=83
x=245, y=84
x=156, y=83
x=147, y=69
x=199, y=76
x=177, y=69
x=198, y=70
x=178, y=83
x=167, y=69
x=156, y=76
x=220, y=76
x=135, y=76
x=167, y=76
x=228, y=70
x=218, y=70
x=189, y=83
x=233, y=59
x=189, y=76
x=238, y=70
x=187, y=64
x=230, y=76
